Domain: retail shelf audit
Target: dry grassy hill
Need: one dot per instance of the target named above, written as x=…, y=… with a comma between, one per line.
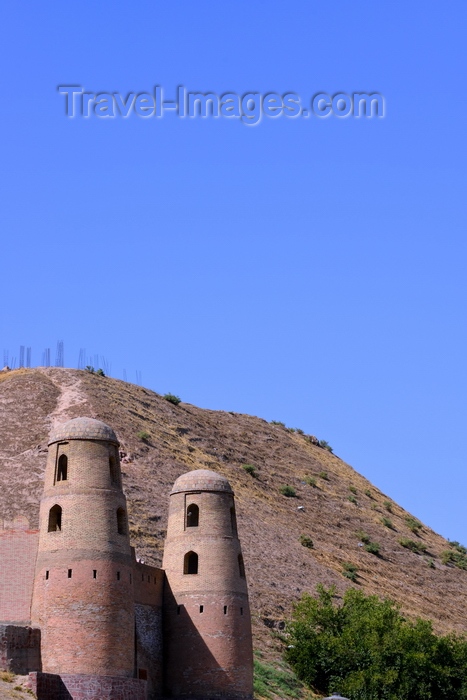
x=185, y=437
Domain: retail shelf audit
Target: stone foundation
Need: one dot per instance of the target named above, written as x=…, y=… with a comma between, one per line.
x=48, y=686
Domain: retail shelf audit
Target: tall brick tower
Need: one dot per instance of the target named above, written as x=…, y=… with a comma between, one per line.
x=207, y=617
x=83, y=597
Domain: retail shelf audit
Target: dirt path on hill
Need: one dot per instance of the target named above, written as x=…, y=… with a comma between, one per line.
x=71, y=395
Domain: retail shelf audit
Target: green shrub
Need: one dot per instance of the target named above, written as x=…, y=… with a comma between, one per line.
x=363, y=537
x=299, y=431
x=143, y=435
x=373, y=547
x=353, y=489
x=368, y=493
x=306, y=541
x=288, y=491
x=349, y=571
x=100, y=372
x=417, y=547
x=368, y=650
x=353, y=500
x=431, y=564
x=323, y=475
x=278, y=422
x=450, y=556
x=90, y=369
x=388, y=505
x=250, y=469
x=172, y=399
x=387, y=523
x=459, y=547
x=413, y=524
x=311, y=481
x=325, y=445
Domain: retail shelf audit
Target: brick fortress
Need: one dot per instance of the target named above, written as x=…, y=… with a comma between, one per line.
x=88, y=621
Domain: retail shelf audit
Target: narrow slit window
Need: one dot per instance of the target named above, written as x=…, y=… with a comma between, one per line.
x=46, y=575
x=55, y=519
x=190, y=564
x=225, y=609
x=121, y=521
x=62, y=469
x=233, y=520
x=241, y=566
x=241, y=611
x=113, y=470
x=201, y=608
x=94, y=573
x=70, y=571
x=118, y=575
x=192, y=515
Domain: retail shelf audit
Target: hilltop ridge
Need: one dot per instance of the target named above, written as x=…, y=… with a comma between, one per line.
x=340, y=513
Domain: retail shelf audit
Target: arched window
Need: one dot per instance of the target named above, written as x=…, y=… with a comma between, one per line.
x=62, y=469
x=241, y=566
x=190, y=564
x=55, y=519
x=121, y=521
x=192, y=515
x=233, y=520
x=113, y=470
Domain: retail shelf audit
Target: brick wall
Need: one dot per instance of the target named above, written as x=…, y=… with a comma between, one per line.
x=48, y=686
x=18, y=550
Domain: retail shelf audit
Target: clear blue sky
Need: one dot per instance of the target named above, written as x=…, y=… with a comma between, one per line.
x=304, y=270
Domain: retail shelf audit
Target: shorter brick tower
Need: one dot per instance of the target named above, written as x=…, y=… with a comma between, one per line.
x=83, y=598
x=207, y=617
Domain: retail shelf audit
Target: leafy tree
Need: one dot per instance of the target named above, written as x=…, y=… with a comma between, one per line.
x=366, y=650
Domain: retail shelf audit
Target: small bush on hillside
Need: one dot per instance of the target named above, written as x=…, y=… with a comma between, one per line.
x=90, y=369
x=325, y=445
x=306, y=541
x=311, y=481
x=388, y=505
x=299, y=431
x=250, y=469
x=417, y=547
x=412, y=524
x=353, y=500
x=143, y=435
x=353, y=489
x=288, y=491
x=323, y=475
x=450, y=556
x=431, y=564
x=373, y=548
x=387, y=523
x=350, y=571
x=100, y=372
x=278, y=422
x=368, y=493
x=363, y=537
x=459, y=547
x=172, y=399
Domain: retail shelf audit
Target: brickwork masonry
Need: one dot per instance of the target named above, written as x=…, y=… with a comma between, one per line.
x=91, y=622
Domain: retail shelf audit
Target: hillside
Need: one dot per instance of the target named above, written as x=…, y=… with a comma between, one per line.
x=185, y=437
